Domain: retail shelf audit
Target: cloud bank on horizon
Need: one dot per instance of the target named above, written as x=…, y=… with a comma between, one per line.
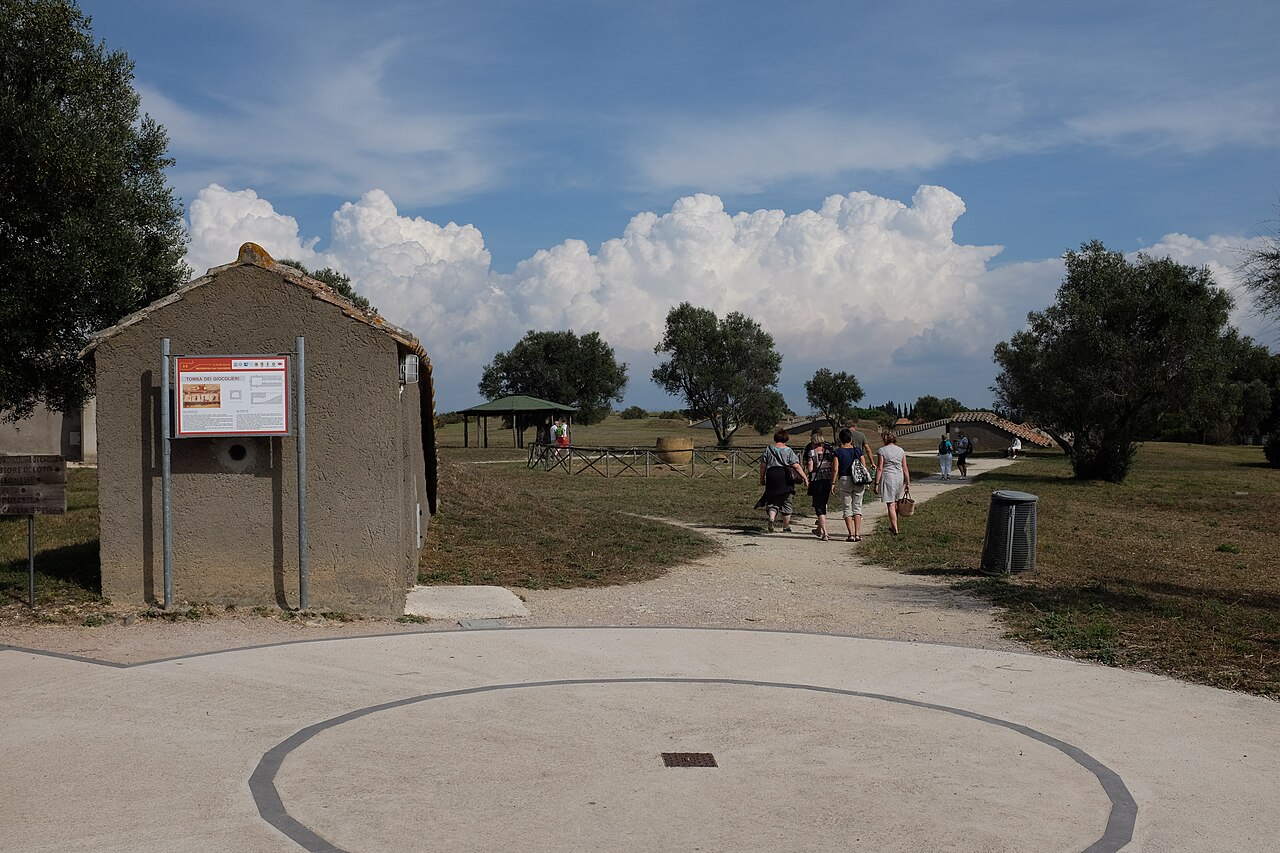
x=860, y=283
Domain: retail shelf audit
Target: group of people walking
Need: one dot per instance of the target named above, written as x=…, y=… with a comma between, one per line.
x=828, y=472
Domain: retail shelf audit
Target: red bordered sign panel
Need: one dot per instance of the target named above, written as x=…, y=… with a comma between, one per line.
x=232, y=395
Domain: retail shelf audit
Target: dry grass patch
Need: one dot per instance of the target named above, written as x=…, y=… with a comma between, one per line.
x=1173, y=571
x=509, y=526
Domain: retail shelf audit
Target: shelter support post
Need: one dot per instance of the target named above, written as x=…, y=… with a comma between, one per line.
x=466, y=424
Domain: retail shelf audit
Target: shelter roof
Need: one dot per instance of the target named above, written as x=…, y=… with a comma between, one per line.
x=518, y=403
x=251, y=254
x=1026, y=432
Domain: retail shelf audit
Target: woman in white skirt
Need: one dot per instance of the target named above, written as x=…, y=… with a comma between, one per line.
x=893, y=477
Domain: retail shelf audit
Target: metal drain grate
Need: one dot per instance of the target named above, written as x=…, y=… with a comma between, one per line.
x=689, y=759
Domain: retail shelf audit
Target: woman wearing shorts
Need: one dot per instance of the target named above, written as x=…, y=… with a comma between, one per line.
x=893, y=477
x=851, y=491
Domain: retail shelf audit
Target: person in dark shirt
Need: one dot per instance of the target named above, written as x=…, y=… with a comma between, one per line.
x=819, y=463
x=852, y=477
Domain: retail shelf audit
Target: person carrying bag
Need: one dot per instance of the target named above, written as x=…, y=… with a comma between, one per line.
x=893, y=478
x=851, y=483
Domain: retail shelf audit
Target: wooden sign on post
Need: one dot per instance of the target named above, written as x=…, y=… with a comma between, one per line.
x=33, y=485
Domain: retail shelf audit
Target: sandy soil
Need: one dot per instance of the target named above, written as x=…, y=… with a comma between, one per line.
x=780, y=581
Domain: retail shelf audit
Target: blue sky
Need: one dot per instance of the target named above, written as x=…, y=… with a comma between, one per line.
x=354, y=136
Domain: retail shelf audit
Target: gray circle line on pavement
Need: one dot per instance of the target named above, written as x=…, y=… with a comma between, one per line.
x=1118, y=832
x=522, y=628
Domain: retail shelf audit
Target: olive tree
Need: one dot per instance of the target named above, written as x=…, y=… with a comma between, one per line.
x=1260, y=273
x=340, y=282
x=834, y=395
x=89, y=229
x=726, y=370
x=580, y=371
x=1127, y=345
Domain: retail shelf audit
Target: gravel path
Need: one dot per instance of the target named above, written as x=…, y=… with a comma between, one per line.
x=792, y=582
x=781, y=581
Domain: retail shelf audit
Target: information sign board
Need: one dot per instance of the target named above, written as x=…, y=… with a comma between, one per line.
x=33, y=485
x=232, y=395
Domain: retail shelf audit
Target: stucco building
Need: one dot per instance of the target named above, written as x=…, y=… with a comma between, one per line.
x=370, y=451
x=73, y=435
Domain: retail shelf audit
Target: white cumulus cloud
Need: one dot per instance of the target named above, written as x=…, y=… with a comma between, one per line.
x=860, y=283
x=221, y=220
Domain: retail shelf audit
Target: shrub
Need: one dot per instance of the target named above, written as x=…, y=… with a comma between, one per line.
x=633, y=413
x=1271, y=449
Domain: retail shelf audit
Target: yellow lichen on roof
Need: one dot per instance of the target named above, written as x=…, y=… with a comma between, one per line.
x=252, y=253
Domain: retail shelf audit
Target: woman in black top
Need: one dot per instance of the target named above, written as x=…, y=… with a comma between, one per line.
x=819, y=461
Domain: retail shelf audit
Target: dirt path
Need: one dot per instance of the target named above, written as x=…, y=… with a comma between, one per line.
x=784, y=581
x=793, y=582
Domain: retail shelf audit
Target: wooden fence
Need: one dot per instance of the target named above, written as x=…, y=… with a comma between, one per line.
x=731, y=463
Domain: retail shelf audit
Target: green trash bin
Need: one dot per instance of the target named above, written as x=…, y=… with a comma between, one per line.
x=1010, y=543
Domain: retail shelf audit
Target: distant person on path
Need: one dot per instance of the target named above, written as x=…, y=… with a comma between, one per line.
x=849, y=457
x=963, y=448
x=776, y=463
x=945, y=451
x=819, y=463
x=893, y=477
x=560, y=432
x=1015, y=447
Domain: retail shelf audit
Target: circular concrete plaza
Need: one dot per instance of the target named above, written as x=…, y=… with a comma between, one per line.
x=560, y=739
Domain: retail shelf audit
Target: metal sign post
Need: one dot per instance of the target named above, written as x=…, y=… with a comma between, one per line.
x=302, y=474
x=166, y=487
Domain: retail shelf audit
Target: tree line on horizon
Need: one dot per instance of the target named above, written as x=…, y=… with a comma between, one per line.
x=1131, y=350
x=90, y=231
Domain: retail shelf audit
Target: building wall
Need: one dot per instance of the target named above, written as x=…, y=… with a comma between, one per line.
x=72, y=436
x=932, y=434
x=235, y=522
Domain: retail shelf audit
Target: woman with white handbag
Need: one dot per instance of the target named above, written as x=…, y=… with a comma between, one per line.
x=852, y=481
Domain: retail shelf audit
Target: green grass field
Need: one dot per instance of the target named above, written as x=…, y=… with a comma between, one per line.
x=1175, y=570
